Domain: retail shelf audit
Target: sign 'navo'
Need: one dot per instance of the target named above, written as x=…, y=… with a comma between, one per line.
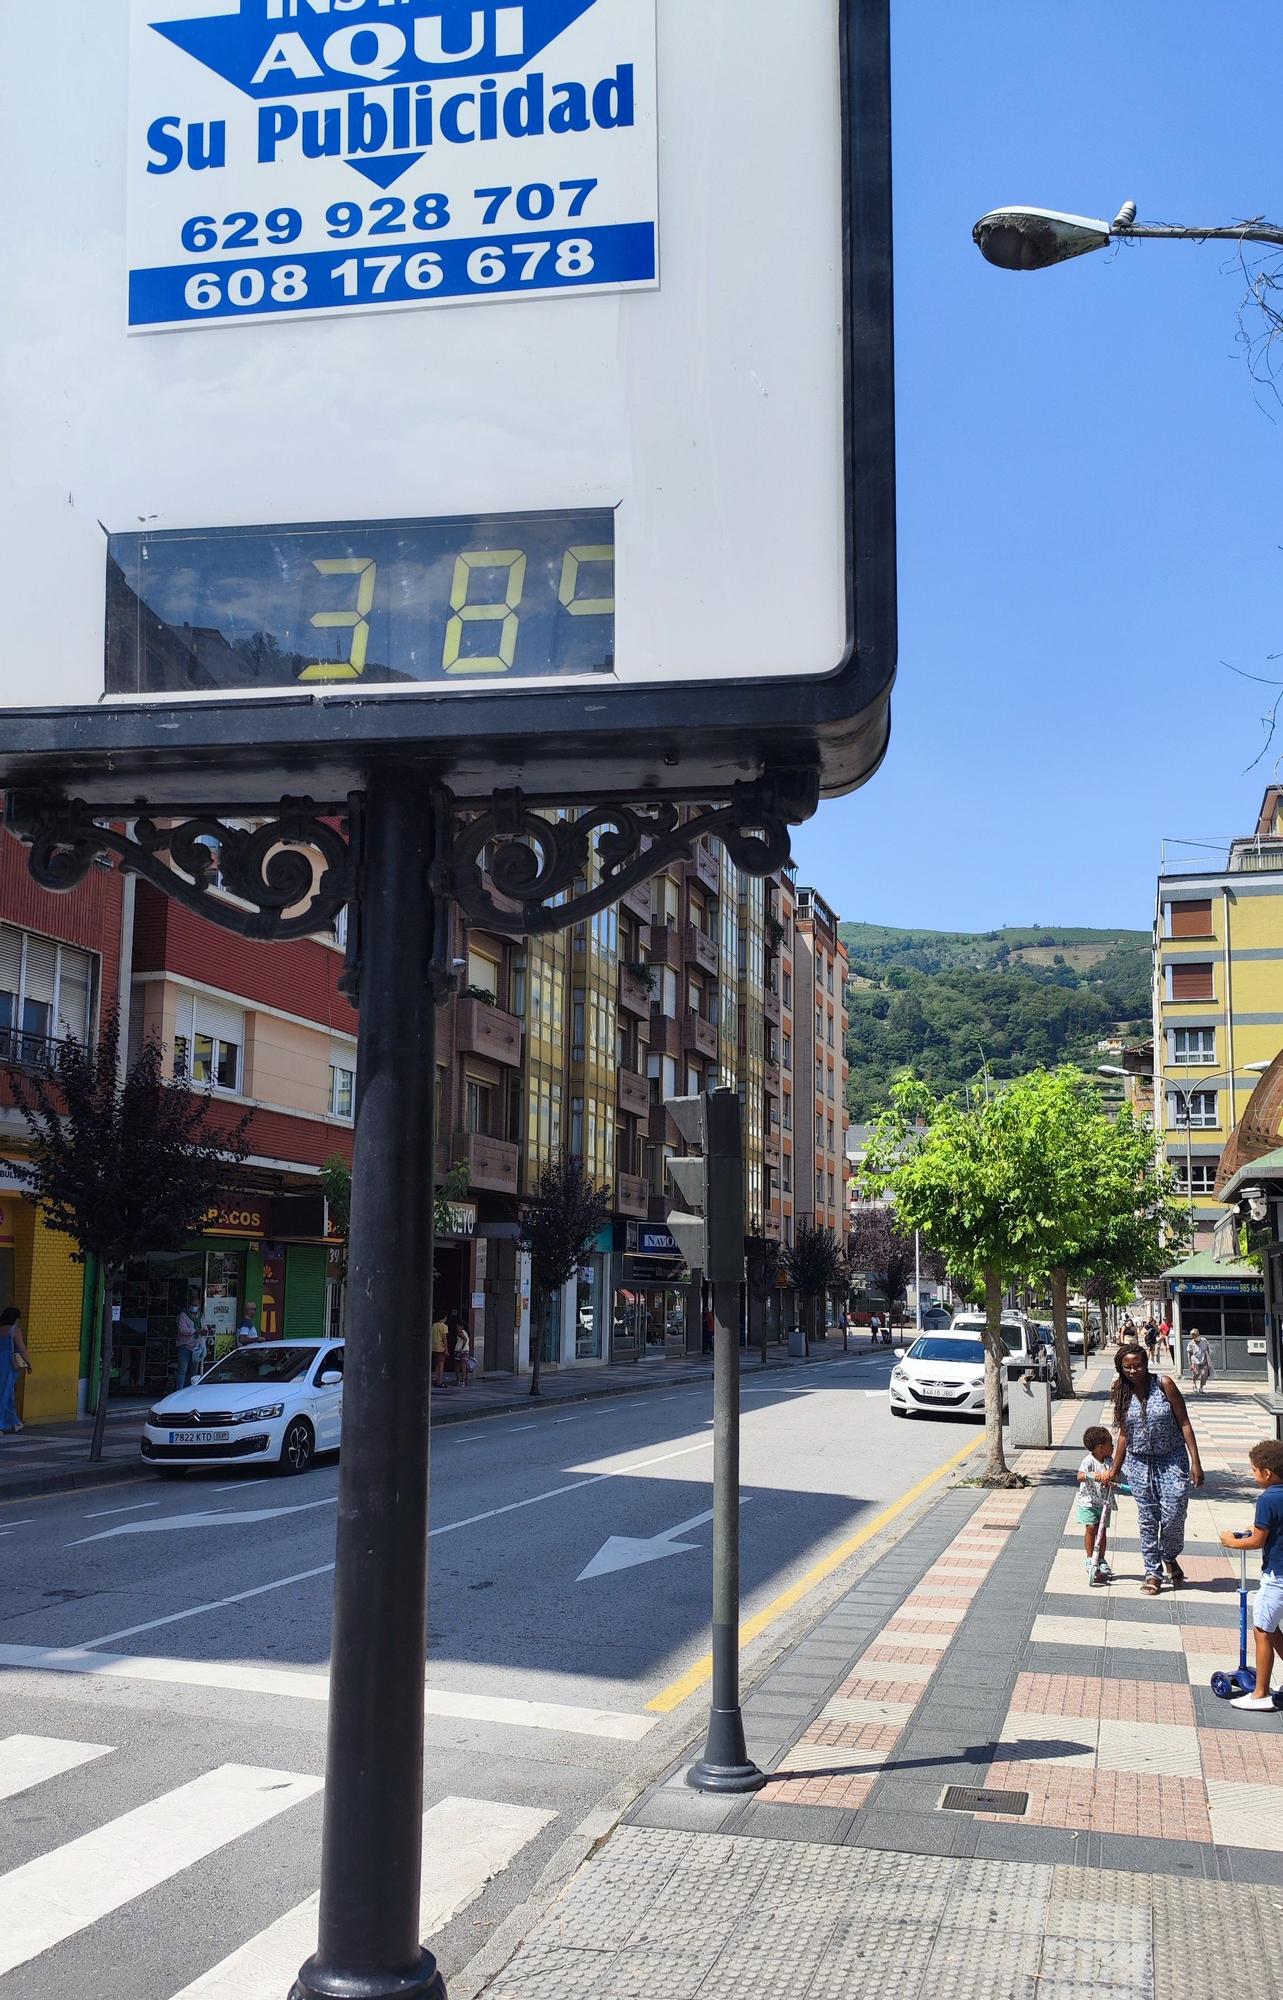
x=296, y=157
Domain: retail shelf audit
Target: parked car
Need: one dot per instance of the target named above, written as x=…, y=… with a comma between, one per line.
x=939, y=1373
x=274, y=1403
x=936, y=1319
x=1080, y=1340
x=1016, y=1329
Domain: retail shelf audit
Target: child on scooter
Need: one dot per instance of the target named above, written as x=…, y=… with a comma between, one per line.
x=1266, y=1461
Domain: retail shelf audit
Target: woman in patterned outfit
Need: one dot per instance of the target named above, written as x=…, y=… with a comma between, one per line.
x=1158, y=1453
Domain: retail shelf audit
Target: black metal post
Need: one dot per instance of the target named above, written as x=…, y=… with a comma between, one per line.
x=725, y=1765
x=369, y=1946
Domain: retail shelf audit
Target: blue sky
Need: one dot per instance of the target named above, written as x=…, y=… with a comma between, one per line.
x=1090, y=493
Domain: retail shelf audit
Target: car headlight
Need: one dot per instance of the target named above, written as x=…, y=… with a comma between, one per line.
x=977, y=1382
x=262, y=1416
x=157, y=1417
x=897, y=1375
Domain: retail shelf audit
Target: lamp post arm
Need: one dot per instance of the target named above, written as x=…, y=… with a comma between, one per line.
x=1238, y=232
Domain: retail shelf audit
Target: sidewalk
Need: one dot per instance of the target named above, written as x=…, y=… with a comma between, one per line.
x=1138, y=1848
x=49, y=1458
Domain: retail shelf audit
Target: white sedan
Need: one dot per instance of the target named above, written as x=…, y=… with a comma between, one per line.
x=939, y=1373
x=273, y=1403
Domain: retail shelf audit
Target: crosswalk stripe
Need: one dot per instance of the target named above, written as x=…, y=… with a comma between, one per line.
x=60, y=1893
x=466, y=1842
x=298, y=1684
x=29, y=1760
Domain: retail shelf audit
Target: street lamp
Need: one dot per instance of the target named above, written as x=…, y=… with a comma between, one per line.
x=1031, y=239
x=1185, y=1091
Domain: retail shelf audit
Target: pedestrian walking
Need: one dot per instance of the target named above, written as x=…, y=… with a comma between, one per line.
x=875, y=1328
x=1165, y=1340
x=14, y=1361
x=440, y=1343
x=1151, y=1340
x=187, y=1327
x=1266, y=1534
x=1199, y=1356
x=1096, y=1502
x=1158, y=1453
x=460, y=1341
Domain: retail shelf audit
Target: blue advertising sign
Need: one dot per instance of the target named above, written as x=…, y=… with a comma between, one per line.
x=265, y=140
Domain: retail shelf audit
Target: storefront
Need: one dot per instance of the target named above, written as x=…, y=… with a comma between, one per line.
x=1226, y=1303
x=656, y=1308
x=268, y=1250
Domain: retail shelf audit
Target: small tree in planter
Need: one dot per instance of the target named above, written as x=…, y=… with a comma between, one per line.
x=814, y=1263
x=764, y=1258
x=122, y=1165
x=558, y=1228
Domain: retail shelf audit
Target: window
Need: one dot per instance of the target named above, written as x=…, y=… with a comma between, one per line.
x=829, y=1036
x=484, y=975
x=209, y=1048
x=830, y=978
x=1192, y=919
x=830, y=1083
x=1193, y=1045
x=788, y=1111
x=519, y=986
x=819, y=1132
x=830, y=1190
x=46, y=992
x=341, y=1086
x=215, y=1061
x=786, y=1165
x=478, y=1107
x=1196, y=1108
x=787, y=983
x=786, y=1050
x=1190, y=981
x=819, y=1077
x=577, y=1127
x=830, y=1134
x=1201, y=1178
x=819, y=1024
x=819, y=1189
x=577, y=1026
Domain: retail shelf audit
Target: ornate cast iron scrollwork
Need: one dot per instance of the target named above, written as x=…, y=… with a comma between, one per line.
x=295, y=872
x=534, y=862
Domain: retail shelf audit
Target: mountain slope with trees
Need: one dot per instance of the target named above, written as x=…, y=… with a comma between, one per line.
x=953, y=1004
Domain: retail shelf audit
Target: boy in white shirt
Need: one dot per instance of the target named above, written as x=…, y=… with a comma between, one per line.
x=1096, y=1502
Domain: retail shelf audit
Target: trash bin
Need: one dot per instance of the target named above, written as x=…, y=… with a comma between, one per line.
x=797, y=1343
x=1028, y=1405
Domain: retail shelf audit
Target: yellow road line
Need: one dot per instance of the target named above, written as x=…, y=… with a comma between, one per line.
x=698, y=1675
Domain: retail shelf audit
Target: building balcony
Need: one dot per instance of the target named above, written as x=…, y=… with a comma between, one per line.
x=701, y=949
x=699, y=1037
x=665, y=1036
x=634, y=1094
x=706, y=867
x=482, y=1030
x=638, y=901
x=634, y=993
x=771, y=1006
x=772, y=1149
x=665, y=947
x=491, y=1163
x=772, y=1075
x=772, y=1226
x=632, y=1196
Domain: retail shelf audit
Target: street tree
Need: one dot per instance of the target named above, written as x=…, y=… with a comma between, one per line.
x=122, y=1163
x=877, y=1245
x=558, y=1227
x=814, y=1263
x=764, y=1264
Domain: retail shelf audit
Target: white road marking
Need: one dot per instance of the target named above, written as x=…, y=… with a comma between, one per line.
x=466, y=1843
x=62, y=1892
x=295, y=1684
x=137, y=1508
x=238, y=1485
x=226, y=1519
x=571, y=1420
x=629, y=1551
x=29, y=1760
x=214, y=1604
x=576, y=1486
x=509, y=1429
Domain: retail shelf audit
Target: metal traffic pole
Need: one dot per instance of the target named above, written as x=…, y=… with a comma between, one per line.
x=725, y=1765
x=369, y=1946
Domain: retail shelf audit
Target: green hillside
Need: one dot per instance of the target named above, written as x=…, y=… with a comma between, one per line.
x=950, y=1002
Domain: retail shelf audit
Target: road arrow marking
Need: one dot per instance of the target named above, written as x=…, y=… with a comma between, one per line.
x=226, y=1519
x=629, y=1551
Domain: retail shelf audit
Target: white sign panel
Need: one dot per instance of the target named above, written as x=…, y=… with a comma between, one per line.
x=298, y=157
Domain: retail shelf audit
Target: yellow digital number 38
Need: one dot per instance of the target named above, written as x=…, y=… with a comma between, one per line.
x=357, y=622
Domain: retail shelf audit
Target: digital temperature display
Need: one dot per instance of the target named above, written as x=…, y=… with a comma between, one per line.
x=350, y=604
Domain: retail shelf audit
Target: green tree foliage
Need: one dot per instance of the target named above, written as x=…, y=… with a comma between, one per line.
x=122, y=1164
x=558, y=1227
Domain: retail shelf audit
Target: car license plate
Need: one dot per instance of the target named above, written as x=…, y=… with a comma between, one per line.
x=938, y=1395
x=200, y=1437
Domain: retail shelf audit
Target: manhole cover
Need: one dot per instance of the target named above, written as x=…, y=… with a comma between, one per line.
x=974, y=1798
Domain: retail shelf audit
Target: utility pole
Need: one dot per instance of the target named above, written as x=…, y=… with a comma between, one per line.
x=711, y=1183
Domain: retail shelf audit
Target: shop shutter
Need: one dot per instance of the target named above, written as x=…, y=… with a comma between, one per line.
x=1192, y=919
x=1192, y=982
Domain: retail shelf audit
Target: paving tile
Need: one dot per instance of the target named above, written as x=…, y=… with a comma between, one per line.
x=855, y=1709
x=843, y=1791
x=900, y=1653
x=1057, y=1694
x=1081, y=1917
x=831, y=1758
x=1246, y=1815
x=1148, y=1746
x=1102, y=1963
x=1243, y=1758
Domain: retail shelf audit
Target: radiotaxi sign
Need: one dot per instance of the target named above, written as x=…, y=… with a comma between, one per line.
x=291, y=157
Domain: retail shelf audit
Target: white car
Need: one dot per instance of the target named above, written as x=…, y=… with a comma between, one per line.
x=1079, y=1342
x=939, y=1373
x=276, y=1402
x=1017, y=1333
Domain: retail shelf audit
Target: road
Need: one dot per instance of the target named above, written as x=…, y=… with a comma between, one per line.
x=164, y=1655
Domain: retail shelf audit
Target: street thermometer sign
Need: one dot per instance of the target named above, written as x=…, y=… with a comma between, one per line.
x=505, y=386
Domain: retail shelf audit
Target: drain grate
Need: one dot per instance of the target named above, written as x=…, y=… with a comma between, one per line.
x=974, y=1798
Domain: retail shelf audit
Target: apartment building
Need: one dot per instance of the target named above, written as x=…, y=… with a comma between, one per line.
x=820, y=974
